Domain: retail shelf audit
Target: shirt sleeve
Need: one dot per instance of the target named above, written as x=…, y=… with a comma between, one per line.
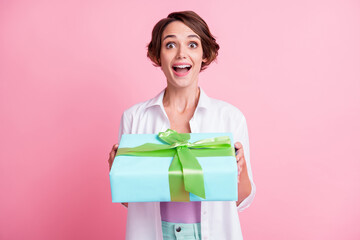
x=242, y=136
x=125, y=126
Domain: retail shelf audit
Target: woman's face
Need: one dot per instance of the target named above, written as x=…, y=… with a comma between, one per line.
x=180, y=55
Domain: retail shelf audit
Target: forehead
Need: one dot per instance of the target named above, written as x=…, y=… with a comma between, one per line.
x=178, y=29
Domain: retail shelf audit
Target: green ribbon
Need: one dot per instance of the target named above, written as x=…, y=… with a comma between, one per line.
x=185, y=172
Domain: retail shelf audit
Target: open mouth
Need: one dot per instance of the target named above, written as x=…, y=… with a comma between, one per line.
x=181, y=69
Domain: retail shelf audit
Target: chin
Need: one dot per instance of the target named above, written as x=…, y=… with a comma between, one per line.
x=182, y=83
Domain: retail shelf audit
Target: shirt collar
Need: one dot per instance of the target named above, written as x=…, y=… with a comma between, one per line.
x=204, y=100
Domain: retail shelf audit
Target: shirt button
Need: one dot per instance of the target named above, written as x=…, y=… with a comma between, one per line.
x=178, y=229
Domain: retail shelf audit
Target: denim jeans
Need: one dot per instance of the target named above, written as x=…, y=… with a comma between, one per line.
x=181, y=231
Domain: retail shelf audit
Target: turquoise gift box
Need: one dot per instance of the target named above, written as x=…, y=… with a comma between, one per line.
x=146, y=179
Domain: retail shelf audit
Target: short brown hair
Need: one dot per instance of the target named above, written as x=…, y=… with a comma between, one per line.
x=195, y=23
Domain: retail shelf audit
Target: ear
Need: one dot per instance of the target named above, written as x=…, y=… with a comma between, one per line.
x=204, y=60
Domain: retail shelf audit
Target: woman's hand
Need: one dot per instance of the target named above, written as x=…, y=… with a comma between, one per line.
x=240, y=158
x=112, y=155
x=244, y=185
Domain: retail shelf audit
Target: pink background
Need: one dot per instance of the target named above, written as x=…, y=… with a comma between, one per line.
x=68, y=69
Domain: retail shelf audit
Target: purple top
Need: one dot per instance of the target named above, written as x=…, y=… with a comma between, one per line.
x=180, y=212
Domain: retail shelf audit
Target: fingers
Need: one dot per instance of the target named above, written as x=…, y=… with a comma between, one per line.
x=113, y=150
x=239, y=154
x=112, y=155
x=240, y=166
x=239, y=148
x=240, y=159
x=238, y=145
x=115, y=147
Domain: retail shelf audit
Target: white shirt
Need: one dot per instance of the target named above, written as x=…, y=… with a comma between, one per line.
x=219, y=220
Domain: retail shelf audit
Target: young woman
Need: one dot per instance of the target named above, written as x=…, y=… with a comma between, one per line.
x=183, y=46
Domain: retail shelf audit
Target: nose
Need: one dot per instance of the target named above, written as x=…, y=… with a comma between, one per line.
x=181, y=53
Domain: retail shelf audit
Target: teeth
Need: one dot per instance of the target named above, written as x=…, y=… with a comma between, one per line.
x=182, y=66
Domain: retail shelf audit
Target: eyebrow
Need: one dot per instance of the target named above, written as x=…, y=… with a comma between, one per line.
x=189, y=36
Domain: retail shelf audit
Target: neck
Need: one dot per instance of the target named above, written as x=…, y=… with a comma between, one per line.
x=181, y=99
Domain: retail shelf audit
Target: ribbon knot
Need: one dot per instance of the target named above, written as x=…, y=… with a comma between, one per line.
x=185, y=172
x=183, y=144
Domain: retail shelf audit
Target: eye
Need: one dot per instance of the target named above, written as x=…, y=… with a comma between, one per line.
x=170, y=45
x=193, y=45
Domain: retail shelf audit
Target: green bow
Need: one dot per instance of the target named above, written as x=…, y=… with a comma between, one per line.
x=185, y=172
